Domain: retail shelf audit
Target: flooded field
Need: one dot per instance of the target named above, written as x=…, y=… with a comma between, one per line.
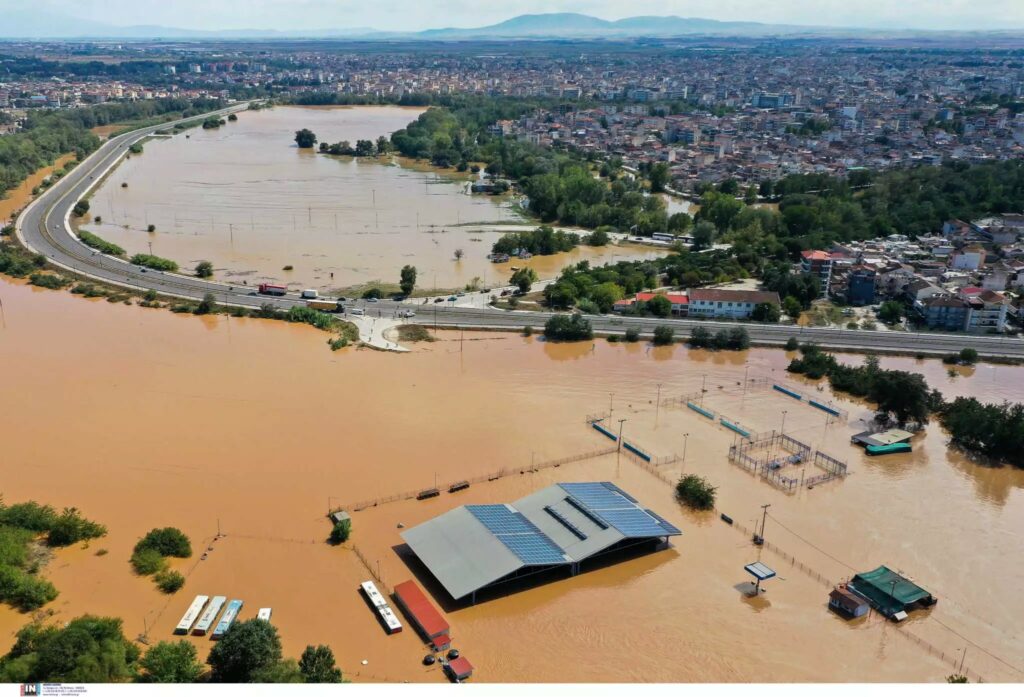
x=142, y=418
x=246, y=198
x=18, y=197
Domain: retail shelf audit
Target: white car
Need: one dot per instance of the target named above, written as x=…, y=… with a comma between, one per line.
x=309, y=294
x=407, y=314
x=358, y=311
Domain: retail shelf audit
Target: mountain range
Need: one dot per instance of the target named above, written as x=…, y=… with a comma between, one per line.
x=564, y=25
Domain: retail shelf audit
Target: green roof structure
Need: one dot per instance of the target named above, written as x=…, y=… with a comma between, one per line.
x=889, y=592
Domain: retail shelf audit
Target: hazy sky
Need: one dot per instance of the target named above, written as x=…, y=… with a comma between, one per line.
x=423, y=14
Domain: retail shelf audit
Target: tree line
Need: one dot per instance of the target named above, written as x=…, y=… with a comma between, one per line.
x=48, y=134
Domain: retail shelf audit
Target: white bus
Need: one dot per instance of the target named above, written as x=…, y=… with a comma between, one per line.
x=189, y=618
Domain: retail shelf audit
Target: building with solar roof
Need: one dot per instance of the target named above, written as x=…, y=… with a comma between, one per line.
x=560, y=528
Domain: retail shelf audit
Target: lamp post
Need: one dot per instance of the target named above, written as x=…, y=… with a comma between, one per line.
x=784, y=412
x=621, y=421
x=657, y=403
x=611, y=402
x=686, y=439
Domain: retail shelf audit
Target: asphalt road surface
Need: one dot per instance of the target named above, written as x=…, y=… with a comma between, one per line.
x=44, y=228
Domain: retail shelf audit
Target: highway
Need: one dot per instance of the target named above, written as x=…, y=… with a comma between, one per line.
x=44, y=228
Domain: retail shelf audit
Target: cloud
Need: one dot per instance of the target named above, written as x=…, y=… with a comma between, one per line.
x=405, y=15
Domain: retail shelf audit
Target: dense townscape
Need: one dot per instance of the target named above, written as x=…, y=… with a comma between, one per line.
x=825, y=196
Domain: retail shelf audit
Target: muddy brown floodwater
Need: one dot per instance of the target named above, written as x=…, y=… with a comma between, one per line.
x=142, y=418
x=18, y=197
x=245, y=198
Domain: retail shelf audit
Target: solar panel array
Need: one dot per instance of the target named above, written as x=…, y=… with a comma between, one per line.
x=608, y=502
x=522, y=537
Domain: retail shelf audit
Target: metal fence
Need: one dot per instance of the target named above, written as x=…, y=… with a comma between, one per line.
x=768, y=466
x=493, y=476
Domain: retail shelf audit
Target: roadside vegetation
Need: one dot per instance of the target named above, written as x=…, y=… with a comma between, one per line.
x=27, y=531
x=571, y=327
x=151, y=261
x=735, y=339
x=412, y=333
x=98, y=243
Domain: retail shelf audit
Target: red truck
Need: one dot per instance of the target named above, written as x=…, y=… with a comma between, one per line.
x=271, y=289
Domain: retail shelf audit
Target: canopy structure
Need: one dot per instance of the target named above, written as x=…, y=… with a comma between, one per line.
x=889, y=592
x=472, y=547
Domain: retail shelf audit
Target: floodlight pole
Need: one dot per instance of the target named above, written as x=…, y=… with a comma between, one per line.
x=621, y=421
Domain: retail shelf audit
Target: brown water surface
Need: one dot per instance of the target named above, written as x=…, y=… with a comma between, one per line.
x=142, y=418
x=246, y=198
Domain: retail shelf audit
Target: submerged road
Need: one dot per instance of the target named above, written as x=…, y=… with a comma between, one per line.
x=44, y=227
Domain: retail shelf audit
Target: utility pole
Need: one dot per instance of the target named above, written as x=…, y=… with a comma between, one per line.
x=621, y=421
x=759, y=538
x=784, y=412
x=611, y=402
x=686, y=439
x=657, y=404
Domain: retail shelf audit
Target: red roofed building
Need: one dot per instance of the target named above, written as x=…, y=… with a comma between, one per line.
x=421, y=613
x=819, y=263
x=680, y=302
x=458, y=669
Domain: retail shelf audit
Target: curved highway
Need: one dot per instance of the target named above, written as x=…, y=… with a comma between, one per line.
x=44, y=228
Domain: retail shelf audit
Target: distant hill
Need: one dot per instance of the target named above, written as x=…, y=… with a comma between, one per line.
x=565, y=25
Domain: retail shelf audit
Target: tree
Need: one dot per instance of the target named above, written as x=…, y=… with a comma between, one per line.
x=207, y=305
x=88, y=649
x=246, y=649
x=317, y=665
x=524, y=278
x=598, y=238
x=605, y=295
x=574, y=327
x=204, y=269
x=632, y=335
x=383, y=145
x=659, y=306
x=905, y=396
x=703, y=235
x=791, y=306
x=561, y=295
x=696, y=492
x=169, y=581
x=891, y=311
x=364, y=148
x=664, y=335
x=341, y=531
x=659, y=177
x=81, y=208
x=408, y=279
x=968, y=356
x=765, y=312
x=169, y=542
x=459, y=253
x=700, y=338
x=170, y=661
x=305, y=138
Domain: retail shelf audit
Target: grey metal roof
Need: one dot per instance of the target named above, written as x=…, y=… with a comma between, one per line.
x=473, y=546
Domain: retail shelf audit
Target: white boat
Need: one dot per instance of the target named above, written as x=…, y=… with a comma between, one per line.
x=189, y=618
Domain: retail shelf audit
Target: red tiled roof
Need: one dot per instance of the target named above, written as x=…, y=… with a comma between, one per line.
x=747, y=296
x=815, y=255
x=674, y=298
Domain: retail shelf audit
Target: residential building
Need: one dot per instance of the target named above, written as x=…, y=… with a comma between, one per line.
x=728, y=304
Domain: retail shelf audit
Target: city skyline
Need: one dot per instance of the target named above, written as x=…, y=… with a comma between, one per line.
x=408, y=16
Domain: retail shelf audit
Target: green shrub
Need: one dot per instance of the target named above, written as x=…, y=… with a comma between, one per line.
x=632, y=335
x=147, y=562
x=100, y=244
x=792, y=344
x=154, y=262
x=696, y=492
x=70, y=527
x=968, y=356
x=24, y=591
x=204, y=269
x=572, y=327
x=169, y=581
x=168, y=542
x=527, y=330
x=28, y=516
x=341, y=531
x=664, y=335
x=48, y=280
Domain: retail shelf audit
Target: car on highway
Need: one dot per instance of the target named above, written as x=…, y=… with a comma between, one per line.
x=372, y=300
x=407, y=314
x=452, y=298
x=438, y=300
x=357, y=311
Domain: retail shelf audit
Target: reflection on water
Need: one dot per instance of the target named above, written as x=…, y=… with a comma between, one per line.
x=244, y=197
x=254, y=426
